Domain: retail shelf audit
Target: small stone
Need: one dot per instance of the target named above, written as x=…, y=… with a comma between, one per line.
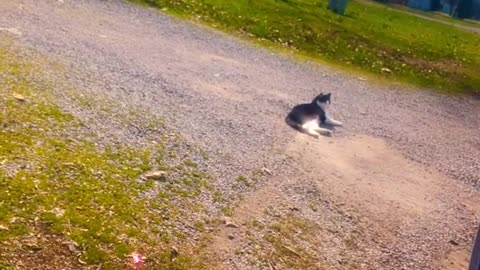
x=3, y=228
x=226, y=220
x=18, y=97
x=231, y=237
x=453, y=242
x=266, y=171
x=387, y=70
x=229, y=223
x=362, y=79
x=156, y=175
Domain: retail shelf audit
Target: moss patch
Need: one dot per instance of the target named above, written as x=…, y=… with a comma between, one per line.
x=287, y=238
x=59, y=188
x=288, y=242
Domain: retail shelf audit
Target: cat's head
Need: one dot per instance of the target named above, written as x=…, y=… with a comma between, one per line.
x=322, y=100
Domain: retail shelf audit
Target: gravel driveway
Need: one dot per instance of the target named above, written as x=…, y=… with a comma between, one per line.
x=230, y=98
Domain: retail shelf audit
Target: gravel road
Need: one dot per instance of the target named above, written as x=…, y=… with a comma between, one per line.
x=230, y=98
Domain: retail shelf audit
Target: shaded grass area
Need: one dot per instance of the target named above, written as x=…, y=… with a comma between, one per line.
x=68, y=202
x=371, y=37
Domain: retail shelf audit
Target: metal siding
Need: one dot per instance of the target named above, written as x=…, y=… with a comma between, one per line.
x=476, y=9
x=425, y=5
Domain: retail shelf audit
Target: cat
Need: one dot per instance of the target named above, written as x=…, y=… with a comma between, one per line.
x=307, y=117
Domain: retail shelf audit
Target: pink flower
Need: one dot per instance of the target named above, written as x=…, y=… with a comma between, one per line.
x=138, y=260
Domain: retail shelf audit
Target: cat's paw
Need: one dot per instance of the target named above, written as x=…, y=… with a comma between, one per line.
x=326, y=132
x=339, y=124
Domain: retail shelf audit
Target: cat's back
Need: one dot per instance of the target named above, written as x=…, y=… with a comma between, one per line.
x=305, y=109
x=303, y=112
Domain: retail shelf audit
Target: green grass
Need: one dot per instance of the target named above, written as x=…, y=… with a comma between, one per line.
x=55, y=180
x=370, y=38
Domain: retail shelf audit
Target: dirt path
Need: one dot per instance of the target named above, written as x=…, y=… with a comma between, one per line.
x=392, y=189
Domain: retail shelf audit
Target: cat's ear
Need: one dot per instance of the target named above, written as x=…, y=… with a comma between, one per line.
x=329, y=94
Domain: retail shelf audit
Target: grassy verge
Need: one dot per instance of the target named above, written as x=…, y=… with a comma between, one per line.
x=438, y=15
x=377, y=39
x=67, y=202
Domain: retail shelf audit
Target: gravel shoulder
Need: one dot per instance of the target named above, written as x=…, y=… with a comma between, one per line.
x=392, y=189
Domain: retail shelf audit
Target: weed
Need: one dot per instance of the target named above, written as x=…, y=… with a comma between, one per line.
x=227, y=211
x=244, y=180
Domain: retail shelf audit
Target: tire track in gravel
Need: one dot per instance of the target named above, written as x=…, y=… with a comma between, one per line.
x=231, y=98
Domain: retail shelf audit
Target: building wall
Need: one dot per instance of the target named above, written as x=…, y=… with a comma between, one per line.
x=462, y=8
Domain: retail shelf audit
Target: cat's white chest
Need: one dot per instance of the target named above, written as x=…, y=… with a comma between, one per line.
x=311, y=124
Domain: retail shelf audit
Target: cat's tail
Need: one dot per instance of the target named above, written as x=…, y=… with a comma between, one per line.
x=293, y=124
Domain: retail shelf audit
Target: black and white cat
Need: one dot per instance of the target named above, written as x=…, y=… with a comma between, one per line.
x=307, y=117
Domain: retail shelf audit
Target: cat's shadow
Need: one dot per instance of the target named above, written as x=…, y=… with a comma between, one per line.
x=327, y=126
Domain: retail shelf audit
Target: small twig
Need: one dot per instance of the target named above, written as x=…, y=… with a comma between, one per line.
x=271, y=265
x=69, y=226
x=35, y=222
x=292, y=251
